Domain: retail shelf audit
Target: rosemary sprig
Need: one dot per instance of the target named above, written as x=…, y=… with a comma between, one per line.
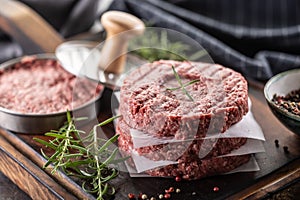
x=63, y=139
x=157, y=45
x=182, y=86
x=91, y=163
x=98, y=170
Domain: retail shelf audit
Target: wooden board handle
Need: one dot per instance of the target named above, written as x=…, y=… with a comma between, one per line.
x=28, y=28
x=120, y=27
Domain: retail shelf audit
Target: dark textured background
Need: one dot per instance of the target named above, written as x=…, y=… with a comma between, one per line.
x=257, y=38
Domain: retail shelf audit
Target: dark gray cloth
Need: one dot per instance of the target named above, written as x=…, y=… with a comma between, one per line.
x=257, y=38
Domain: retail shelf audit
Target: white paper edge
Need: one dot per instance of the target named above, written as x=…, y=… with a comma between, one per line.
x=251, y=146
x=250, y=166
x=142, y=163
x=147, y=163
x=246, y=128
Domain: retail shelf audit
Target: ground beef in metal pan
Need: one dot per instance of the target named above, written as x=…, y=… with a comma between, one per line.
x=42, y=86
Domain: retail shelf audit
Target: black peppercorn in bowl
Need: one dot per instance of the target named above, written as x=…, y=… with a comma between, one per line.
x=36, y=93
x=282, y=93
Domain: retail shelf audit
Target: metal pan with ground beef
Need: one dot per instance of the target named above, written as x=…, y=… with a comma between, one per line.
x=220, y=99
x=36, y=92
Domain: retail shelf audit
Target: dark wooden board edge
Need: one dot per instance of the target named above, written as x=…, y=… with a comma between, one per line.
x=19, y=153
x=271, y=183
x=30, y=178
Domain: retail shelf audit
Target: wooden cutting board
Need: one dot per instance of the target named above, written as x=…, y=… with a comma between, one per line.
x=21, y=162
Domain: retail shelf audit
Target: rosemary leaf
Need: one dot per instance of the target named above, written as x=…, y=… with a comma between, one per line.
x=80, y=148
x=108, y=178
x=190, y=83
x=86, y=174
x=73, y=155
x=105, y=188
x=198, y=55
x=108, y=120
x=47, y=144
x=177, y=76
x=116, y=161
x=44, y=155
x=110, y=158
x=51, y=159
x=187, y=94
x=80, y=119
x=173, y=89
x=84, y=187
x=59, y=136
x=182, y=86
x=108, y=142
x=78, y=163
x=69, y=117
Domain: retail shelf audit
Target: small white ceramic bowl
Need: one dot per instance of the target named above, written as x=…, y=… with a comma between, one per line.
x=281, y=84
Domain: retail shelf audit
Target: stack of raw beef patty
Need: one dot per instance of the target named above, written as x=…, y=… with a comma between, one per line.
x=206, y=99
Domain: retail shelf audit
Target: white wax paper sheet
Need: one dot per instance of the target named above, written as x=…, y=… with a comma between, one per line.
x=142, y=163
x=246, y=128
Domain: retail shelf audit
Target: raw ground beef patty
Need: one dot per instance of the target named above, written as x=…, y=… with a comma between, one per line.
x=195, y=168
x=219, y=99
x=183, y=150
x=200, y=168
x=42, y=86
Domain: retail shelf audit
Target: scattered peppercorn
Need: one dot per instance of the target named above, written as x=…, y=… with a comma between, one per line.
x=216, y=189
x=289, y=102
x=167, y=196
x=140, y=196
x=144, y=196
x=286, y=149
x=276, y=143
x=177, y=178
x=131, y=196
x=170, y=190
